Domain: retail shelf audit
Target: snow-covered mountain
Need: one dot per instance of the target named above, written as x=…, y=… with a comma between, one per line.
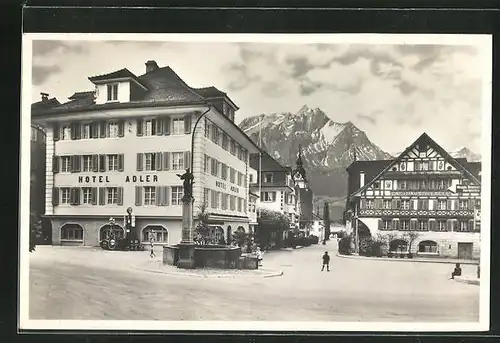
x=466, y=153
x=328, y=147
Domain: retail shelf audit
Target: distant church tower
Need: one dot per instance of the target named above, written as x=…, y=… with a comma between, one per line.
x=299, y=174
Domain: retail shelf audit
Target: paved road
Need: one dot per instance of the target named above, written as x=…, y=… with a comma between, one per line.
x=87, y=283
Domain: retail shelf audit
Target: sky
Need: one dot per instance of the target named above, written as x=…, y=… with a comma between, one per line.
x=392, y=92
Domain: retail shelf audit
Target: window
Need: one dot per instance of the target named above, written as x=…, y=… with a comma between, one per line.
x=87, y=131
x=463, y=226
x=66, y=132
x=232, y=173
x=206, y=166
x=177, y=160
x=150, y=196
x=424, y=165
x=404, y=224
x=269, y=177
x=158, y=233
x=441, y=225
x=405, y=204
x=65, y=164
x=251, y=178
x=224, y=201
x=87, y=163
x=65, y=195
x=441, y=204
x=149, y=127
x=207, y=128
x=150, y=161
x=240, y=178
x=113, y=129
x=178, y=126
x=225, y=141
x=224, y=172
x=233, y=147
x=216, y=196
x=387, y=224
x=463, y=204
x=427, y=247
x=177, y=193
x=268, y=196
x=232, y=202
x=215, y=134
x=214, y=166
x=205, y=196
x=387, y=204
x=112, y=196
x=369, y=203
x=87, y=195
x=377, y=185
x=423, y=184
x=113, y=92
x=112, y=162
x=423, y=225
x=72, y=232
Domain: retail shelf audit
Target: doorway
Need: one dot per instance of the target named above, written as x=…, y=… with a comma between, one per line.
x=465, y=251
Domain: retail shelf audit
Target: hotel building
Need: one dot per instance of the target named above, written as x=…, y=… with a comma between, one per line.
x=123, y=144
x=424, y=190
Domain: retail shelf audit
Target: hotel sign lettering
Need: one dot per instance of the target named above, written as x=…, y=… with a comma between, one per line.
x=423, y=194
x=468, y=189
x=128, y=178
x=222, y=185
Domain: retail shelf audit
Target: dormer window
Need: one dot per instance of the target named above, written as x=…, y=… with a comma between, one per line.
x=113, y=92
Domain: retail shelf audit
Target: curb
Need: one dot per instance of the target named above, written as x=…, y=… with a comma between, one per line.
x=213, y=276
x=468, y=281
x=357, y=257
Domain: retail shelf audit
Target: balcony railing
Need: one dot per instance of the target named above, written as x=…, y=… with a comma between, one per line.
x=414, y=213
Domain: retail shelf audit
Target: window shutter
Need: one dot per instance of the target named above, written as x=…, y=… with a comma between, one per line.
x=380, y=224
x=166, y=160
x=413, y=225
x=102, y=196
x=166, y=126
x=102, y=163
x=432, y=225
x=166, y=199
x=274, y=196
x=94, y=130
x=119, y=196
x=71, y=196
x=55, y=196
x=78, y=131
x=57, y=132
x=120, y=162
x=138, y=196
x=158, y=161
x=363, y=203
x=455, y=224
x=158, y=127
x=94, y=195
x=55, y=164
x=470, y=225
x=470, y=204
x=121, y=128
x=449, y=225
x=95, y=163
x=77, y=162
x=395, y=224
x=187, y=159
x=394, y=204
x=158, y=196
x=448, y=204
x=139, y=129
x=455, y=205
x=426, y=204
x=187, y=124
x=102, y=129
x=73, y=131
x=78, y=198
x=140, y=163
x=72, y=162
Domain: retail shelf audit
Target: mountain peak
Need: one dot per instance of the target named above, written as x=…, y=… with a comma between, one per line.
x=303, y=110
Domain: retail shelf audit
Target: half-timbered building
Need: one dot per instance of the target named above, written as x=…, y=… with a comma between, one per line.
x=424, y=191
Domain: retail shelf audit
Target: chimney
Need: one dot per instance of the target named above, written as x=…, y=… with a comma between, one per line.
x=151, y=66
x=361, y=179
x=45, y=96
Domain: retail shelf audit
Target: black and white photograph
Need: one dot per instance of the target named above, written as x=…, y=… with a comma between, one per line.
x=333, y=182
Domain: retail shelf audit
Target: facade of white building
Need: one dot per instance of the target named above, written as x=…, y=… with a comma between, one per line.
x=124, y=144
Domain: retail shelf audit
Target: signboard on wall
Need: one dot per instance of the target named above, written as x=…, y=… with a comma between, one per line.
x=468, y=189
x=143, y=178
x=224, y=185
x=422, y=194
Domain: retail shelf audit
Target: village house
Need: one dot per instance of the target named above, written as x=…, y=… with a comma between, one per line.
x=424, y=191
x=123, y=145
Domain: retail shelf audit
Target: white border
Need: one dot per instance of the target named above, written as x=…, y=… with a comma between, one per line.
x=484, y=42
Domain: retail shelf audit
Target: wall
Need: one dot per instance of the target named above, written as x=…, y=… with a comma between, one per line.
x=447, y=241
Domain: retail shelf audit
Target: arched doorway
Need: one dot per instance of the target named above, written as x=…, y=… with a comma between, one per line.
x=229, y=235
x=72, y=233
x=105, y=231
x=363, y=231
x=398, y=245
x=427, y=247
x=159, y=232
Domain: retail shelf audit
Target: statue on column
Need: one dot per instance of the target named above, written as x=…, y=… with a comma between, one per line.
x=187, y=184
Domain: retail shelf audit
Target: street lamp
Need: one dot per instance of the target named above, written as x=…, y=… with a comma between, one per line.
x=192, y=137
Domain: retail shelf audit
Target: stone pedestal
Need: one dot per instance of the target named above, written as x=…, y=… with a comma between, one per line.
x=186, y=246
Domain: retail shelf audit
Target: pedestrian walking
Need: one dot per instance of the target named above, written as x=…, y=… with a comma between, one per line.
x=326, y=262
x=151, y=241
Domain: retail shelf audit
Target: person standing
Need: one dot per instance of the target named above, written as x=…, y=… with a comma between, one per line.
x=326, y=262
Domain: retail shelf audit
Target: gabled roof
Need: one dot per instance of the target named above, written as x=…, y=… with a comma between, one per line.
x=162, y=86
x=45, y=104
x=423, y=138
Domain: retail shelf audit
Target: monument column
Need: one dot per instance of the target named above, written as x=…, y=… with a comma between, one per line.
x=186, y=245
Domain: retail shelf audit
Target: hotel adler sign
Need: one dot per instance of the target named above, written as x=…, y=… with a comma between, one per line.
x=129, y=178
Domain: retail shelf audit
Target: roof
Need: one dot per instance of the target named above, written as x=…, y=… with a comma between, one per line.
x=162, y=87
x=464, y=167
x=45, y=104
x=253, y=194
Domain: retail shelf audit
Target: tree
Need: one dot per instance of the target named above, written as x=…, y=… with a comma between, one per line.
x=326, y=221
x=410, y=237
x=202, y=230
x=271, y=222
